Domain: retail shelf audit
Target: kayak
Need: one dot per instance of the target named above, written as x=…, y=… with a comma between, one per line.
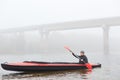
x=33, y=66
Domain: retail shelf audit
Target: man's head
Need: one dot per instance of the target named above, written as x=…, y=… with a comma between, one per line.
x=82, y=53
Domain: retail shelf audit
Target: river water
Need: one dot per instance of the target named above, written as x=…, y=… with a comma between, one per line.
x=109, y=70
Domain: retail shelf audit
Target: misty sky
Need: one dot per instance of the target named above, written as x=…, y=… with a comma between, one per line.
x=17, y=13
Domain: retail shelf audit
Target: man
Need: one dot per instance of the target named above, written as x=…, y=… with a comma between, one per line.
x=82, y=58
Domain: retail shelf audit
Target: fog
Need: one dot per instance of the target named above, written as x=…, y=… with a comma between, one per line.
x=21, y=13
x=17, y=13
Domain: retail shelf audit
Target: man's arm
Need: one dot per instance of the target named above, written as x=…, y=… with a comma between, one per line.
x=75, y=55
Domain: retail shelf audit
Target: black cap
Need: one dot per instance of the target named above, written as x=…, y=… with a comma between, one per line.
x=82, y=52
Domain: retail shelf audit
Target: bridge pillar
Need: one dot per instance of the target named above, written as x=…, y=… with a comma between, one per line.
x=44, y=36
x=20, y=41
x=44, y=33
x=106, y=38
x=1, y=42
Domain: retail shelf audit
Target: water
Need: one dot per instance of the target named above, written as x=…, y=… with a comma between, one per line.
x=109, y=70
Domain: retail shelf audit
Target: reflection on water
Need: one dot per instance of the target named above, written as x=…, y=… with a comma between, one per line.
x=63, y=75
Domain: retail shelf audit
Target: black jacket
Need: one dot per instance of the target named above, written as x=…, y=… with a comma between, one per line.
x=82, y=59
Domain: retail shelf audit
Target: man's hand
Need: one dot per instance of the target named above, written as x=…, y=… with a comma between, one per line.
x=81, y=59
x=70, y=51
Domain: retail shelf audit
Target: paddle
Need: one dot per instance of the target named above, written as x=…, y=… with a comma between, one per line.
x=86, y=64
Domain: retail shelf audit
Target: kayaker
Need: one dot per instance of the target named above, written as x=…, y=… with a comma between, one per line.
x=82, y=57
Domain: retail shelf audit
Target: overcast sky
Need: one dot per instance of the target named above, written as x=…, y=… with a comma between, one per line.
x=17, y=13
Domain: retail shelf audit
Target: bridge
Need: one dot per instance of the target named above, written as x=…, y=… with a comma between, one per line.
x=45, y=29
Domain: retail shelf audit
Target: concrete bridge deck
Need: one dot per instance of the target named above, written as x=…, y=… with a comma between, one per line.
x=112, y=21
